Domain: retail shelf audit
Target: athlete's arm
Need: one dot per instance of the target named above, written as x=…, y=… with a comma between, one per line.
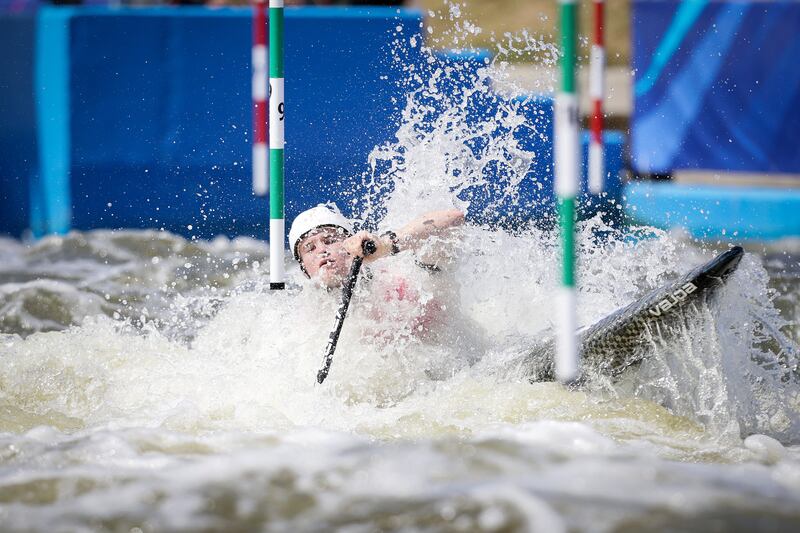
x=410, y=237
x=435, y=223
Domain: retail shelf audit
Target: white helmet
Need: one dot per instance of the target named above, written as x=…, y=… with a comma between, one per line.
x=316, y=217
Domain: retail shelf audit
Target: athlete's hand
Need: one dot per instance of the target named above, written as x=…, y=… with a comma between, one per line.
x=354, y=245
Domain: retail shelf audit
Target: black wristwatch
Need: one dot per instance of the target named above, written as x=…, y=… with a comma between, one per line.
x=393, y=237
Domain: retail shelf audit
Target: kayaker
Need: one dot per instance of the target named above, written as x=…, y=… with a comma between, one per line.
x=324, y=244
x=411, y=296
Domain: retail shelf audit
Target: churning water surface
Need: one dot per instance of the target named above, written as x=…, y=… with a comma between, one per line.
x=154, y=383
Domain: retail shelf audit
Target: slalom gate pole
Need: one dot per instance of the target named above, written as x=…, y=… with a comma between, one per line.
x=566, y=185
x=597, y=67
x=277, y=224
x=259, y=89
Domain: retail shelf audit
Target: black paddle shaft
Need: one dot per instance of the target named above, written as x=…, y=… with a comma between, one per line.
x=368, y=247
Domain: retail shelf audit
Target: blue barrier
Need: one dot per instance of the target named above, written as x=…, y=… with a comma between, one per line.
x=715, y=212
x=144, y=117
x=161, y=105
x=17, y=121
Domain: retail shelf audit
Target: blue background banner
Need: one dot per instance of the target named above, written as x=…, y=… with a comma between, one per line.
x=717, y=86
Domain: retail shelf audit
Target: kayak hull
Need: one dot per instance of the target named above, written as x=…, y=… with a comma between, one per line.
x=620, y=340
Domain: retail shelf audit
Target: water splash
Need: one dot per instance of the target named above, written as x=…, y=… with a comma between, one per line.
x=193, y=339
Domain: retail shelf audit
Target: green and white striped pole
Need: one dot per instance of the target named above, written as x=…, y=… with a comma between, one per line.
x=566, y=185
x=277, y=224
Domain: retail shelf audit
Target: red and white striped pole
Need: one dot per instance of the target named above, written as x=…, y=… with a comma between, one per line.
x=597, y=68
x=259, y=85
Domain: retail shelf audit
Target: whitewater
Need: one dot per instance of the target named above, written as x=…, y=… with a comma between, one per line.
x=151, y=382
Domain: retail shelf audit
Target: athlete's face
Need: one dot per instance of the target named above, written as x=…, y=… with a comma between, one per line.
x=323, y=256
